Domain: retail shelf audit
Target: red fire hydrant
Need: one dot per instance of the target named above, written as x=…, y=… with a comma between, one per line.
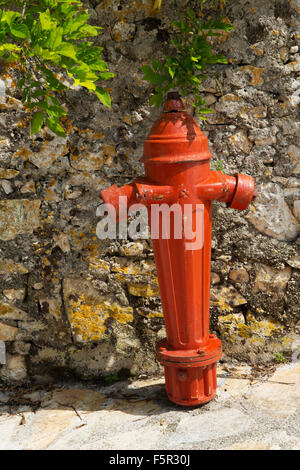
x=177, y=170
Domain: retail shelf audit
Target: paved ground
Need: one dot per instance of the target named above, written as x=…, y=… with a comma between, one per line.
x=259, y=414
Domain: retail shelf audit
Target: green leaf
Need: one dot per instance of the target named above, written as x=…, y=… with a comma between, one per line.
x=21, y=83
x=25, y=93
x=171, y=71
x=46, y=53
x=98, y=65
x=75, y=23
x=7, y=47
x=156, y=64
x=205, y=111
x=67, y=9
x=151, y=76
x=9, y=17
x=55, y=38
x=19, y=30
x=156, y=100
x=83, y=72
x=106, y=75
x=53, y=82
x=56, y=111
x=103, y=96
x=54, y=100
x=66, y=49
x=46, y=21
x=37, y=122
x=55, y=126
x=38, y=93
x=90, y=30
x=42, y=105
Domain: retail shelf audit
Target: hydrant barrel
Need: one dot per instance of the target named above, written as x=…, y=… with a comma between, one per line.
x=178, y=178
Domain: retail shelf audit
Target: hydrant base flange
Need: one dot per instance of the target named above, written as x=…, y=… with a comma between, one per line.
x=202, y=356
x=190, y=374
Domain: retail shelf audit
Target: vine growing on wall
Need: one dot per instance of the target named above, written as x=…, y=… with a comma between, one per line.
x=50, y=39
x=50, y=42
x=192, y=53
x=157, y=3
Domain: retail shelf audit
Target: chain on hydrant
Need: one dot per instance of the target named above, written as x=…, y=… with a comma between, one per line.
x=177, y=170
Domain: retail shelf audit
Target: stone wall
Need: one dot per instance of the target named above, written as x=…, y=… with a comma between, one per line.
x=74, y=306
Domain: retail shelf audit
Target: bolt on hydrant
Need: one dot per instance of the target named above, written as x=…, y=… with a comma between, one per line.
x=177, y=170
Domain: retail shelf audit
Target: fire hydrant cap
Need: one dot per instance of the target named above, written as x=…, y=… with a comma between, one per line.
x=175, y=137
x=244, y=192
x=173, y=103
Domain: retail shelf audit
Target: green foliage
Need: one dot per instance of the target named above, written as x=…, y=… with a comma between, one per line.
x=157, y=3
x=184, y=69
x=279, y=357
x=48, y=36
x=111, y=378
x=218, y=165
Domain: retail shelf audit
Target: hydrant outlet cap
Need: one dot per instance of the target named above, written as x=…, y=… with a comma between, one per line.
x=243, y=193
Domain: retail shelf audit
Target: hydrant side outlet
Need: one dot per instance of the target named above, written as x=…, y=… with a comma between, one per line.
x=177, y=170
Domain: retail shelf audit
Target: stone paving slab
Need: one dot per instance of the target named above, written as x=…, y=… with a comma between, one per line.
x=137, y=416
x=277, y=399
